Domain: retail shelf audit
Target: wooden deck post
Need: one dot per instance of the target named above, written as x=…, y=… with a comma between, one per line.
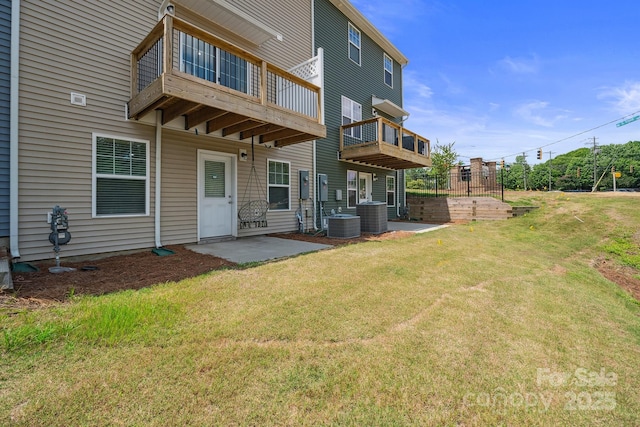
x=263, y=83
x=167, y=51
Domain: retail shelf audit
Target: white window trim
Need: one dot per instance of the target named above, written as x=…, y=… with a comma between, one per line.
x=355, y=188
x=95, y=175
x=386, y=188
x=353, y=119
x=279, y=185
x=351, y=26
x=384, y=66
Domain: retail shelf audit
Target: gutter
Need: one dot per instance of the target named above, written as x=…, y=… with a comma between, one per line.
x=14, y=111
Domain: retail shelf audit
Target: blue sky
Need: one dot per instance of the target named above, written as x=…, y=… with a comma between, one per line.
x=502, y=77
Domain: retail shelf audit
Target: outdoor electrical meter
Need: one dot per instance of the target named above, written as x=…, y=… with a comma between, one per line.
x=59, y=222
x=303, y=184
x=323, y=188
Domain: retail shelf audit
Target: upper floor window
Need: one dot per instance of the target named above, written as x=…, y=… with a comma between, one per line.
x=388, y=70
x=354, y=44
x=121, y=176
x=351, y=113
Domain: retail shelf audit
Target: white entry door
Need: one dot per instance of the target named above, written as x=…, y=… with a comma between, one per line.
x=216, y=195
x=365, y=187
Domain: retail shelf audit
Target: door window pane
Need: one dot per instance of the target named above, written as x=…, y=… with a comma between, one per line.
x=352, y=187
x=214, y=179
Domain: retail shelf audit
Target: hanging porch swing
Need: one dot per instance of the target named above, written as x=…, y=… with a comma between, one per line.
x=253, y=212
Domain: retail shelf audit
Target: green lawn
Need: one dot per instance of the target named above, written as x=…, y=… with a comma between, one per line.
x=490, y=323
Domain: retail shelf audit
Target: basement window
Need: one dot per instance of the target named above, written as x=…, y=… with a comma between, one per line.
x=391, y=191
x=279, y=188
x=120, y=176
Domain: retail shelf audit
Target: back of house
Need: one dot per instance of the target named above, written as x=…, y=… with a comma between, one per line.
x=367, y=146
x=155, y=123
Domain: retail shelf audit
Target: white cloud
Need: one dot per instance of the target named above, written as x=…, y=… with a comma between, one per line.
x=625, y=99
x=520, y=65
x=451, y=87
x=413, y=88
x=539, y=113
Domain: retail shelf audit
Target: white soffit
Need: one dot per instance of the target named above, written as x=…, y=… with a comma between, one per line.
x=388, y=107
x=231, y=18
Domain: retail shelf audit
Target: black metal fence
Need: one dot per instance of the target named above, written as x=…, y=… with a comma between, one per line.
x=462, y=184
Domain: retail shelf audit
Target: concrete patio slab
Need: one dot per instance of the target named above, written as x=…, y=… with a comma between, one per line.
x=256, y=248
x=414, y=227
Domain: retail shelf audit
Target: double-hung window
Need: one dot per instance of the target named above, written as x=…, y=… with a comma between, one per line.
x=391, y=190
x=388, y=70
x=354, y=44
x=351, y=113
x=121, y=176
x=279, y=187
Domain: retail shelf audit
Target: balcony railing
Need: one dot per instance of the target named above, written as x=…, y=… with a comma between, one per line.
x=183, y=69
x=380, y=142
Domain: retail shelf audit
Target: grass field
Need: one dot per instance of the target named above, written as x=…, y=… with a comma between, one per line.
x=489, y=323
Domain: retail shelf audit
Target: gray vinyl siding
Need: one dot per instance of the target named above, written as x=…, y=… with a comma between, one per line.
x=5, y=86
x=179, y=183
x=291, y=18
x=343, y=77
x=86, y=49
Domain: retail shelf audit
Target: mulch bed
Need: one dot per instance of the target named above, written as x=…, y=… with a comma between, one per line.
x=110, y=274
x=131, y=271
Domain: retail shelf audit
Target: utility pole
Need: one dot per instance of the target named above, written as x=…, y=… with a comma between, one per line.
x=550, y=153
x=524, y=169
x=595, y=165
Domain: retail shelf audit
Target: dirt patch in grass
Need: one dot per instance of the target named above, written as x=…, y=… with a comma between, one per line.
x=624, y=276
x=132, y=271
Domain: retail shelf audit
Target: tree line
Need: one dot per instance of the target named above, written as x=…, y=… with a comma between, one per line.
x=574, y=170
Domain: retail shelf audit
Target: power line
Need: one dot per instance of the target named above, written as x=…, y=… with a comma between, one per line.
x=570, y=137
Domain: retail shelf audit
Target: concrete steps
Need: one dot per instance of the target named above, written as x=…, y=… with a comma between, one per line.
x=446, y=209
x=6, y=282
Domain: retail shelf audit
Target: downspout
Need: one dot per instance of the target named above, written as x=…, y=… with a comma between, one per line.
x=398, y=172
x=398, y=191
x=313, y=155
x=158, y=176
x=13, y=128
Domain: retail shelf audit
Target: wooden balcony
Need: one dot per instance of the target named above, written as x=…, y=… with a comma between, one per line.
x=380, y=142
x=185, y=71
